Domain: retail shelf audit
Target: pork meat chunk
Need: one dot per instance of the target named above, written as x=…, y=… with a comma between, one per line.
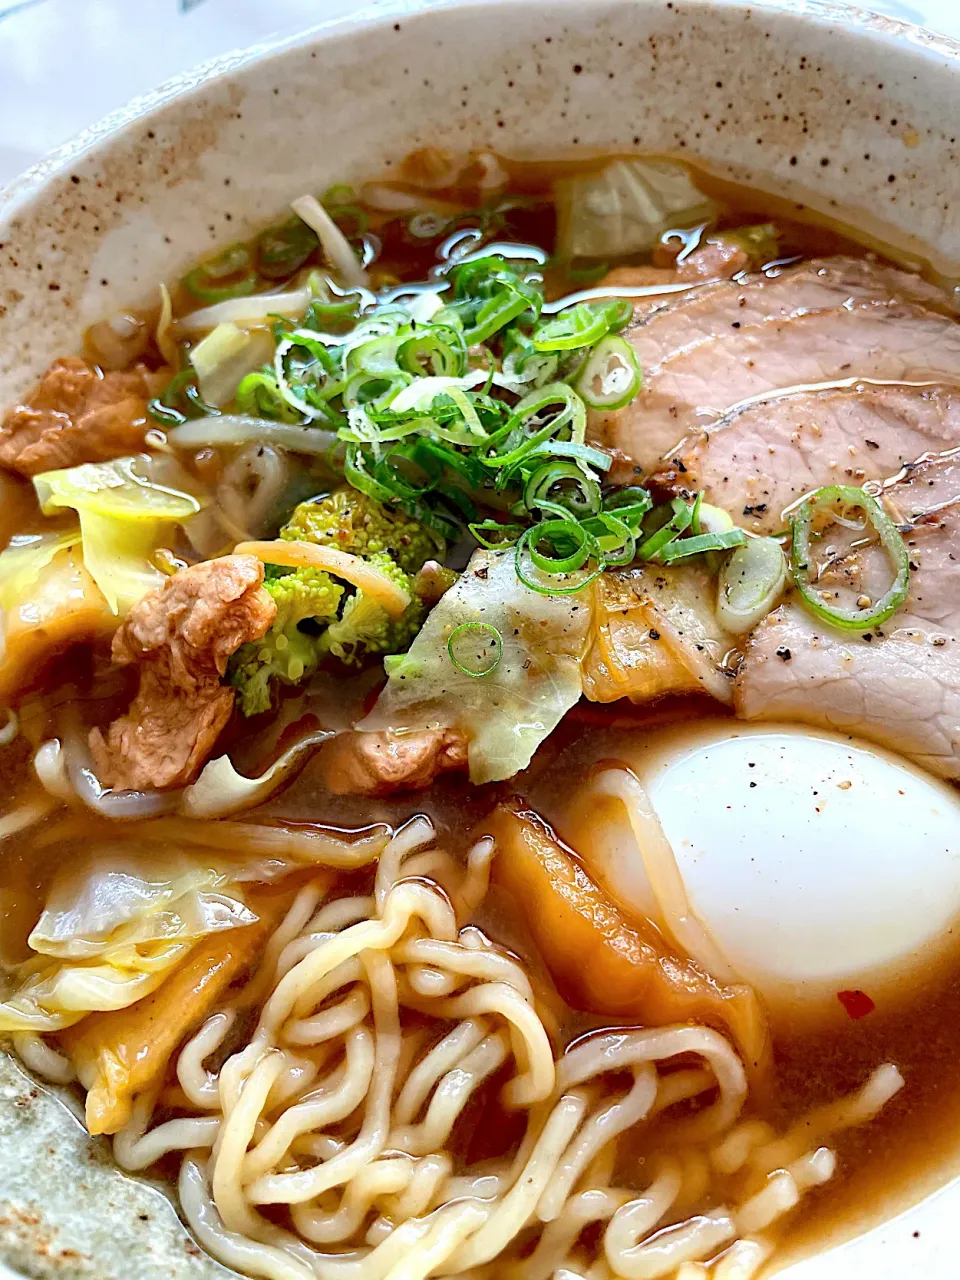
x=897, y=685
x=384, y=762
x=181, y=636
x=712, y=347
x=77, y=414
x=760, y=460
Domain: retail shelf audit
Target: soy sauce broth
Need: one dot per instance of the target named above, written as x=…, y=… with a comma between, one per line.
x=915, y=1142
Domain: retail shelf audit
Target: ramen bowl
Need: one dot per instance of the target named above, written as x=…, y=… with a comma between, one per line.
x=831, y=108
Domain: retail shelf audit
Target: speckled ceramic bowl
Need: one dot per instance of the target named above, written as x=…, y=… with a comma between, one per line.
x=844, y=110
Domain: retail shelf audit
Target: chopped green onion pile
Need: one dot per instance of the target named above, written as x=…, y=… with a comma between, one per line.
x=459, y=403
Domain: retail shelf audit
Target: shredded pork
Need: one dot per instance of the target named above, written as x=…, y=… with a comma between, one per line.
x=181, y=636
x=77, y=414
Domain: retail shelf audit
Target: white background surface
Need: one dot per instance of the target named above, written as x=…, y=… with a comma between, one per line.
x=66, y=63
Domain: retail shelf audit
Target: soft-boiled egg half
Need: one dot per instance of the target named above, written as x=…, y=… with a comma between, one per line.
x=822, y=870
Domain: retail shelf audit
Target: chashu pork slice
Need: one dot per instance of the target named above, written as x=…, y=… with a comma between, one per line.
x=899, y=684
x=705, y=352
x=681, y=321
x=760, y=460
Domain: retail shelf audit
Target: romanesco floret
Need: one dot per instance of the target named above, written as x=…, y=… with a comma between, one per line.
x=285, y=653
x=365, y=626
x=351, y=521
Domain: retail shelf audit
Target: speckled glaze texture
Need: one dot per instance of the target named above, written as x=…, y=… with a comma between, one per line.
x=847, y=111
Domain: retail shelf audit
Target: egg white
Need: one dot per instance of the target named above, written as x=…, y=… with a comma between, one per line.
x=811, y=863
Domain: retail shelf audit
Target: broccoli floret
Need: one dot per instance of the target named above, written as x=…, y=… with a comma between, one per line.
x=286, y=652
x=304, y=593
x=366, y=628
x=351, y=521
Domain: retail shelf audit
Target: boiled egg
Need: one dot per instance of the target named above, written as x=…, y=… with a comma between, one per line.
x=822, y=870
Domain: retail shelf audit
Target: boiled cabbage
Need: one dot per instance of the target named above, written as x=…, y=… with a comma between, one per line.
x=626, y=207
x=504, y=715
x=112, y=929
x=224, y=358
x=25, y=559
x=122, y=520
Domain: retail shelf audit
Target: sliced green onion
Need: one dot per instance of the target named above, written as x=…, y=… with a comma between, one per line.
x=376, y=355
x=308, y=397
x=340, y=194
x=580, y=494
x=610, y=376
x=684, y=548
x=492, y=535
x=523, y=365
x=368, y=387
x=434, y=355
x=493, y=315
x=801, y=558
x=617, y=541
x=526, y=428
x=584, y=454
x=675, y=524
x=475, y=649
x=428, y=225
x=214, y=281
x=559, y=566
x=258, y=396
x=284, y=249
x=618, y=312
x=750, y=584
x=630, y=504
x=579, y=326
x=710, y=519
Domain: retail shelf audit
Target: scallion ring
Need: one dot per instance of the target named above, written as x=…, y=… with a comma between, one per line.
x=580, y=492
x=559, y=566
x=629, y=505
x=699, y=543
x=610, y=377
x=578, y=326
x=617, y=541
x=493, y=535
x=750, y=584
x=216, y=280
x=475, y=649
x=801, y=558
x=672, y=527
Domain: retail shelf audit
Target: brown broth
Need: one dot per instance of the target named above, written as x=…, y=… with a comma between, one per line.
x=913, y=1145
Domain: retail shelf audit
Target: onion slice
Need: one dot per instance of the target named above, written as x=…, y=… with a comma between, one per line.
x=255, y=309
x=166, y=342
x=336, y=246
x=220, y=790
x=235, y=429
x=341, y=564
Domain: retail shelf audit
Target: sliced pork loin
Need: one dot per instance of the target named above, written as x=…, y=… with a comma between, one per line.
x=899, y=684
x=709, y=349
x=760, y=460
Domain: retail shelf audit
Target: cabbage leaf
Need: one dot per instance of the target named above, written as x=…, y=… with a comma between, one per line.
x=122, y=519
x=626, y=207
x=224, y=358
x=506, y=714
x=112, y=929
x=25, y=559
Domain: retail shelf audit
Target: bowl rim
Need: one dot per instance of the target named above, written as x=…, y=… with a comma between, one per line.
x=24, y=187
